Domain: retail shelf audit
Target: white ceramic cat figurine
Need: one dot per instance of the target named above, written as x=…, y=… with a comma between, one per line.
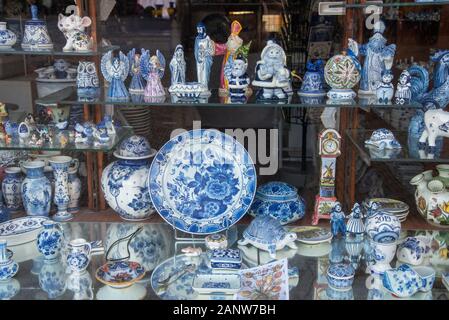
x=73, y=28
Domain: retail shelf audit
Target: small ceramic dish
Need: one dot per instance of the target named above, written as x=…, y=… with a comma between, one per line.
x=340, y=276
x=216, y=283
x=120, y=274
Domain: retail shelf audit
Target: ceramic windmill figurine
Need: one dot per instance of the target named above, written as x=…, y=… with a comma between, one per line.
x=137, y=85
x=115, y=71
x=153, y=69
x=355, y=226
x=178, y=66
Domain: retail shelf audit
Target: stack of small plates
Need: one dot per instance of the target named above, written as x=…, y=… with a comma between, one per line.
x=139, y=118
x=392, y=206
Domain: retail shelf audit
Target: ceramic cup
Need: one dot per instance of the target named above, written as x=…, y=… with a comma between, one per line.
x=383, y=254
x=79, y=255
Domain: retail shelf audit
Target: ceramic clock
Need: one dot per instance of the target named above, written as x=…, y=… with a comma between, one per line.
x=329, y=148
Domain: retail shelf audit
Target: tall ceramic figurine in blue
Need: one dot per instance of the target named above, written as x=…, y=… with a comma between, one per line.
x=204, y=53
x=115, y=71
x=338, y=223
x=355, y=226
x=137, y=85
x=378, y=57
x=385, y=89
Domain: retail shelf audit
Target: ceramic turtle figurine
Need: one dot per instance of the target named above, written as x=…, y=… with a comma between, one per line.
x=267, y=233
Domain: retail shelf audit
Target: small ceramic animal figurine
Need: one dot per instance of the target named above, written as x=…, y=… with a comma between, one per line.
x=238, y=80
x=73, y=28
x=403, y=90
x=271, y=73
x=153, y=70
x=436, y=125
x=355, y=226
x=87, y=81
x=267, y=233
x=385, y=89
x=137, y=85
x=178, y=66
x=338, y=224
x=115, y=71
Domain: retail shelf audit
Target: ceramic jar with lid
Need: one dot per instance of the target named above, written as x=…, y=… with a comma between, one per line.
x=280, y=200
x=340, y=276
x=124, y=182
x=7, y=37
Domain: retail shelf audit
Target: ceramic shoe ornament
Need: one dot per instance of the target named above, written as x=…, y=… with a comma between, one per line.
x=413, y=250
x=279, y=200
x=378, y=58
x=272, y=76
x=385, y=88
x=87, y=81
x=115, y=71
x=338, y=225
x=405, y=280
x=238, y=80
x=342, y=73
x=7, y=38
x=36, y=36
x=153, y=70
x=383, y=139
x=313, y=81
x=355, y=226
x=403, y=93
x=436, y=125
x=73, y=27
x=137, y=85
x=266, y=233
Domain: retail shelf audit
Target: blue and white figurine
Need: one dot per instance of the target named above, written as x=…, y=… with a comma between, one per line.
x=36, y=36
x=8, y=267
x=267, y=233
x=11, y=188
x=338, y=224
x=204, y=54
x=238, y=80
x=355, y=226
x=313, y=82
x=403, y=93
x=385, y=89
x=115, y=71
x=137, y=85
x=36, y=189
x=378, y=57
x=383, y=139
x=272, y=74
x=50, y=240
x=87, y=81
x=60, y=166
x=153, y=70
x=178, y=66
x=7, y=38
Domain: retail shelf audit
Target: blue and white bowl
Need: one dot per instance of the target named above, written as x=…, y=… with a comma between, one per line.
x=340, y=276
x=280, y=200
x=134, y=148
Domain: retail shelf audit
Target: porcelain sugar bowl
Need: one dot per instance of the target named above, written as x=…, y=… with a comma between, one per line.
x=280, y=200
x=124, y=182
x=7, y=37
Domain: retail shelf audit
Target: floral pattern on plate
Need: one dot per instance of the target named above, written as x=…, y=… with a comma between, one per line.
x=202, y=181
x=120, y=274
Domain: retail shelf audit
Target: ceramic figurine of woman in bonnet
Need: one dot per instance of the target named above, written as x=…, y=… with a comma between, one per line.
x=178, y=66
x=153, y=70
x=137, y=85
x=115, y=71
x=272, y=74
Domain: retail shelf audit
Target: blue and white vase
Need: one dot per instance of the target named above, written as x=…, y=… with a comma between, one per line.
x=313, y=82
x=74, y=190
x=50, y=240
x=53, y=279
x=8, y=267
x=279, y=200
x=36, y=189
x=7, y=37
x=60, y=166
x=124, y=182
x=36, y=36
x=11, y=186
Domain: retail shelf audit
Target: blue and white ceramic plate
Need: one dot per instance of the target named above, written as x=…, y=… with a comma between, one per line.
x=202, y=181
x=21, y=230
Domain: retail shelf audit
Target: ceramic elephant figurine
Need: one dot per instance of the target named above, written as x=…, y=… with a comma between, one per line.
x=436, y=125
x=73, y=28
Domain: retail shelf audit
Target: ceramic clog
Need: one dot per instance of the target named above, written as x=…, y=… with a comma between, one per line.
x=403, y=281
x=413, y=250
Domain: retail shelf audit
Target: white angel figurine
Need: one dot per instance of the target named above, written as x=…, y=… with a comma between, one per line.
x=153, y=70
x=115, y=71
x=137, y=85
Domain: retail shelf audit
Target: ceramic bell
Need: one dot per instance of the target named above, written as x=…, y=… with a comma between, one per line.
x=313, y=82
x=36, y=36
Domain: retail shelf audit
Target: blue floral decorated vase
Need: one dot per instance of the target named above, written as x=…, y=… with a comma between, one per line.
x=11, y=186
x=124, y=182
x=50, y=240
x=7, y=37
x=280, y=200
x=8, y=267
x=36, y=189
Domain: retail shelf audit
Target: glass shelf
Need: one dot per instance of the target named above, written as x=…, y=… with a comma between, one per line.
x=122, y=133
x=57, y=52
x=408, y=153
x=69, y=96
